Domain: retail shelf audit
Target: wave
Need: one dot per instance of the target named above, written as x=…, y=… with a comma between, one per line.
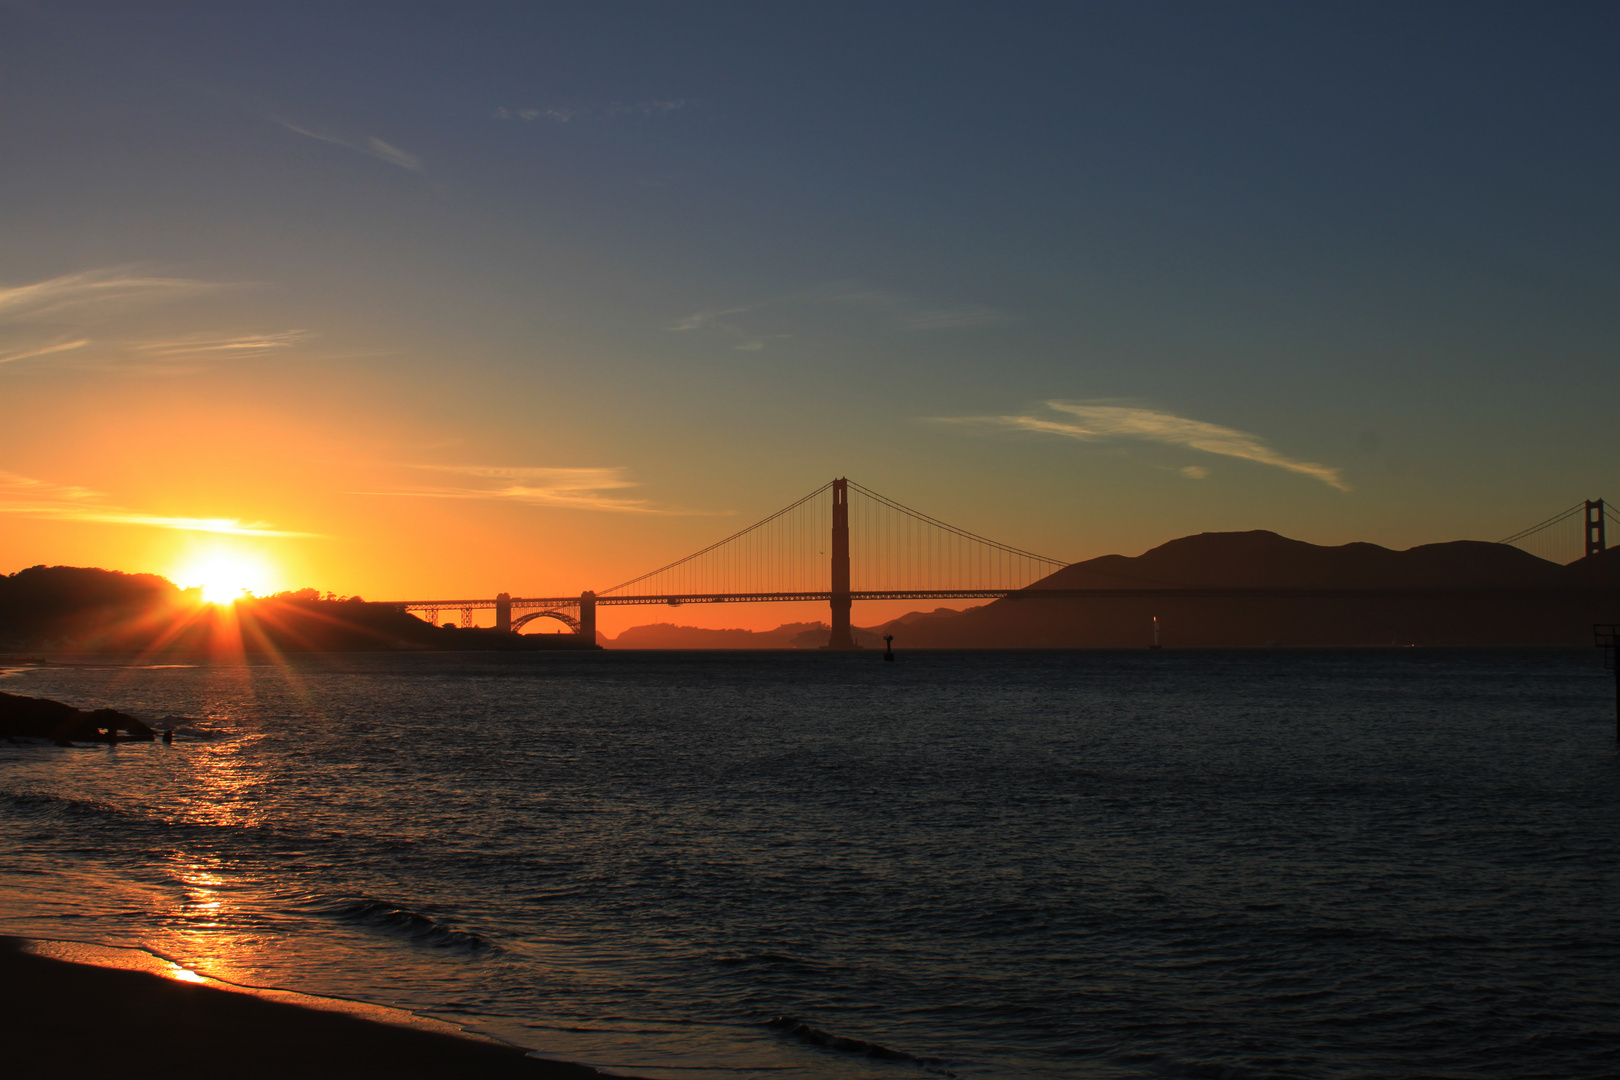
x=187, y=728
x=795, y=1028
x=404, y=923
x=42, y=804
x=1188, y=1069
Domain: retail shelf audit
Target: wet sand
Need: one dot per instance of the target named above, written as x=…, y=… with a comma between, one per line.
x=67, y=1020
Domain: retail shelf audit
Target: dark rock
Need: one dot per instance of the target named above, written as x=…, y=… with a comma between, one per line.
x=42, y=718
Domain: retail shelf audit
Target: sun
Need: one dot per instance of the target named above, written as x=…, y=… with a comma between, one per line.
x=225, y=579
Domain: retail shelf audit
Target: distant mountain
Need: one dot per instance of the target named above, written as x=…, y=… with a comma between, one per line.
x=1498, y=595
x=1259, y=559
x=669, y=636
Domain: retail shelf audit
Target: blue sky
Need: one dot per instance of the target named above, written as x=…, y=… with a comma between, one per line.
x=1082, y=277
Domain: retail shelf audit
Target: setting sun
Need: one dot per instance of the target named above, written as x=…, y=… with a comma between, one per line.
x=225, y=578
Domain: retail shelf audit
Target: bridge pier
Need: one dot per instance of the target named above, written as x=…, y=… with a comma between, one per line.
x=587, y=616
x=841, y=601
x=1595, y=541
x=503, y=612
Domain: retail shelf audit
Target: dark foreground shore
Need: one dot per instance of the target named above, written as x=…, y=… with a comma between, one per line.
x=67, y=1020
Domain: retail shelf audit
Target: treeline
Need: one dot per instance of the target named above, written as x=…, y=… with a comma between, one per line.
x=84, y=610
x=47, y=604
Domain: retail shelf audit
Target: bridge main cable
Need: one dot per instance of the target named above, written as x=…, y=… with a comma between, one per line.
x=717, y=544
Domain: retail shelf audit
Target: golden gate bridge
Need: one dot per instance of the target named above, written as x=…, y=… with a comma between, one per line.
x=844, y=542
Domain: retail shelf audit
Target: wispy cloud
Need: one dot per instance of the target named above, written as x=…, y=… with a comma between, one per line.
x=1101, y=422
x=893, y=310
x=720, y=322
x=194, y=348
x=369, y=145
x=578, y=489
x=14, y=484
x=92, y=292
x=25, y=496
x=908, y=313
x=44, y=350
x=615, y=110
x=74, y=320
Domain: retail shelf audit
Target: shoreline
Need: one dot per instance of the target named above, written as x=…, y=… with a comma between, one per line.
x=65, y=1017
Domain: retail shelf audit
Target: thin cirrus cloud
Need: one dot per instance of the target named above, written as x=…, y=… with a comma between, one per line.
x=370, y=145
x=53, y=321
x=577, y=489
x=25, y=496
x=51, y=349
x=744, y=324
x=1101, y=423
x=219, y=347
x=92, y=293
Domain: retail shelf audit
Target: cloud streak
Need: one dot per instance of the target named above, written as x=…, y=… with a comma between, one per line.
x=25, y=496
x=370, y=145
x=242, y=345
x=1101, y=423
x=44, y=350
x=92, y=291
x=73, y=320
x=576, y=489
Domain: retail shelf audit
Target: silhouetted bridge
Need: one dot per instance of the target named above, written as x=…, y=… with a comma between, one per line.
x=803, y=552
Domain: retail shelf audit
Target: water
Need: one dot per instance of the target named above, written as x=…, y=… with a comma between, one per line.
x=1259, y=864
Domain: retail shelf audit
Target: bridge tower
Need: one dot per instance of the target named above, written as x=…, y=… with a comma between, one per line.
x=1595, y=544
x=503, y=612
x=587, y=616
x=841, y=601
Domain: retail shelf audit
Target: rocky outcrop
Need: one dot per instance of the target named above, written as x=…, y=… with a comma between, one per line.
x=41, y=718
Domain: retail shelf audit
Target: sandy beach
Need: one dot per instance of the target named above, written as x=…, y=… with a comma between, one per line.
x=61, y=1019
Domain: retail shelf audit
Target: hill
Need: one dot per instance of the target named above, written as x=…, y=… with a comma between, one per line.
x=800, y=635
x=69, y=609
x=1480, y=594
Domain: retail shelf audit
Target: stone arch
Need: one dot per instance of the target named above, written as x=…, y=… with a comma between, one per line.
x=561, y=616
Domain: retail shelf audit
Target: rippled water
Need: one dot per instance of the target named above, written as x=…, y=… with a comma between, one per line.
x=1263, y=864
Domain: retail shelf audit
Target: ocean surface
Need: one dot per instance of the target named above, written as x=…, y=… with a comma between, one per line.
x=1400, y=863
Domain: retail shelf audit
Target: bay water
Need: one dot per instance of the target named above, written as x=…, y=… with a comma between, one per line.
x=1311, y=864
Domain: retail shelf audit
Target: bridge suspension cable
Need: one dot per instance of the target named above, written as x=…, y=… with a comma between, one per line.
x=892, y=548
x=1568, y=535
x=785, y=552
x=896, y=548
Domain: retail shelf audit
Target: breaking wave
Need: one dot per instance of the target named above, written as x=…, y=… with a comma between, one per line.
x=411, y=926
x=795, y=1028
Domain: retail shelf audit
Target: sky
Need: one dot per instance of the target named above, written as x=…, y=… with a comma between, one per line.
x=413, y=300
